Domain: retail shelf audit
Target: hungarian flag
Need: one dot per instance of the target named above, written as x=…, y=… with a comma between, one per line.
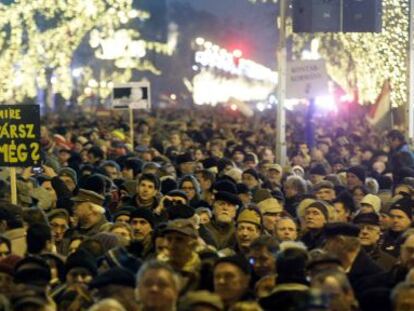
x=382, y=107
x=244, y=108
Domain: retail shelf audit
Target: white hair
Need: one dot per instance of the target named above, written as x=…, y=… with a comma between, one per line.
x=107, y=304
x=292, y=244
x=158, y=265
x=97, y=209
x=372, y=185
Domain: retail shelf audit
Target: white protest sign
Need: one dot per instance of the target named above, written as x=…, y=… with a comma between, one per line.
x=306, y=79
x=134, y=95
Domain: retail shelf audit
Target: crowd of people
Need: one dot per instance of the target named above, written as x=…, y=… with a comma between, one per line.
x=197, y=213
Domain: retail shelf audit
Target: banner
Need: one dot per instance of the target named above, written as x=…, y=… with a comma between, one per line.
x=381, y=109
x=19, y=135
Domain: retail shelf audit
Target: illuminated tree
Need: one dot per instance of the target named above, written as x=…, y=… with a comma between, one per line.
x=39, y=38
x=361, y=62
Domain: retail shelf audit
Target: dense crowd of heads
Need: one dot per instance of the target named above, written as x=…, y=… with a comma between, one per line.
x=197, y=213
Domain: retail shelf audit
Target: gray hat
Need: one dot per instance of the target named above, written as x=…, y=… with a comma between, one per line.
x=88, y=196
x=321, y=206
x=69, y=172
x=183, y=226
x=58, y=213
x=201, y=210
x=325, y=184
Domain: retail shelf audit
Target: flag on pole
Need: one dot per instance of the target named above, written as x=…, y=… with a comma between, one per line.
x=382, y=107
x=242, y=106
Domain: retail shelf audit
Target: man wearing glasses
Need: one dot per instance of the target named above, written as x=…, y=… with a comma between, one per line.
x=369, y=237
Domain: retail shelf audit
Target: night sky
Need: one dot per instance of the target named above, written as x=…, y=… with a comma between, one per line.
x=257, y=31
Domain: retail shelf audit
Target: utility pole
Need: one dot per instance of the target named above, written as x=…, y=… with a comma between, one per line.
x=281, y=90
x=410, y=102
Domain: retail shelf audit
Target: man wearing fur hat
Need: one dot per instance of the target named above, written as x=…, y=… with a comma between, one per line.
x=142, y=221
x=221, y=227
x=69, y=177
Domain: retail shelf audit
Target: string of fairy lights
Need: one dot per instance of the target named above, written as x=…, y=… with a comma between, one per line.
x=38, y=40
x=35, y=54
x=361, y=62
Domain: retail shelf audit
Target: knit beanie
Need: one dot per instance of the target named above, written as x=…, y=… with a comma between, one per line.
x=252, y=172
x=318, y=169
x=32, y=270
x=124, y=211
x=69, y=172
x=242, y=188
x=108, y=240
x=120, y=257
x=321, y=207
x=94, y=183
x=144, y=213
x=81, y=259
x=291, y=265
x=405, y=205
x=168, y=184
x=114, y=276
x=184, y=158
x=358, y=171
x=236, y=260
x=224, y=185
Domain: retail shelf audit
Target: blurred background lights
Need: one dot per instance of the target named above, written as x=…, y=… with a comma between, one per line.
x=260, y=106
x=237, y=53
x=325, y=102
x=199, y=41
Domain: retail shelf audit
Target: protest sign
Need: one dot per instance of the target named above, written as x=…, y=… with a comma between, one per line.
x=19, y=135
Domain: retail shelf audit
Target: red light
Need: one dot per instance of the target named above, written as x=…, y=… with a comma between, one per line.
x=237, y=53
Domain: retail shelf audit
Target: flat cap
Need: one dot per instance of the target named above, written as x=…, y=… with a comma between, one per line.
x=183, y=226
x=341, y=228
x=58, y=213
x=367, y=218
x=114, y=276
x=325, y=184
x=88, y=196
x=228, y=197
x=270, y=206
x=202, y=297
